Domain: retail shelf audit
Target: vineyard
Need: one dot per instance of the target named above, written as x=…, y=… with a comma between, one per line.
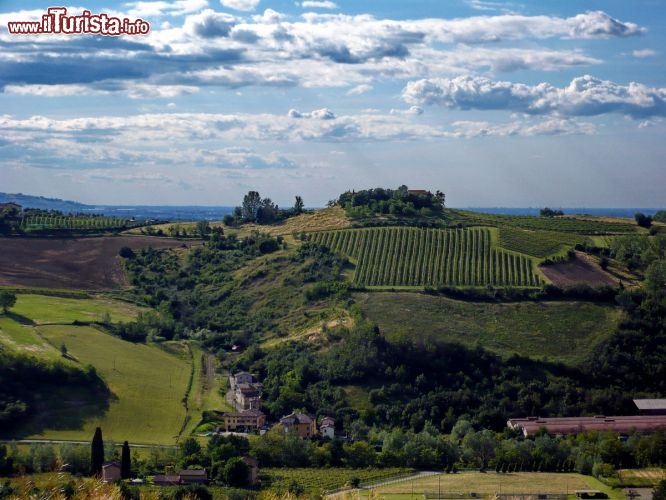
x=404, y=256
x=538, y=243
x=74, y=223
x=560, y=224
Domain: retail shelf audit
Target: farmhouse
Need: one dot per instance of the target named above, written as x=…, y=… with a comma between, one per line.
x=111, y=472
x=247, y=391
x=304, y=425
x=574, y=425
x=243, y=421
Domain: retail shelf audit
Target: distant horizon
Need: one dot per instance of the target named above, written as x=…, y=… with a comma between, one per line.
x=496, y=103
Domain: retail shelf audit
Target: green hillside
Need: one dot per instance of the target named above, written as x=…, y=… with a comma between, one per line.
x=146, y=384
x=407, y=256
x=563, y=331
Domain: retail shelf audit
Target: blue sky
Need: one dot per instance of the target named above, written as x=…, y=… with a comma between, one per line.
x=520, y=103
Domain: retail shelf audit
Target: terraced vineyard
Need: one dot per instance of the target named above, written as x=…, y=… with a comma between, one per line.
x=407, y=256
x=538, y=243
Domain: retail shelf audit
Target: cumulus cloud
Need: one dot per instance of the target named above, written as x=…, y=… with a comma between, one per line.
x=584, y=96
x=320, y=114
x=245, y=5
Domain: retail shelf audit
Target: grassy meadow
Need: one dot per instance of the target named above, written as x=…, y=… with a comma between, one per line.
x=557, y=331
x=147, y=382
x=42, y=309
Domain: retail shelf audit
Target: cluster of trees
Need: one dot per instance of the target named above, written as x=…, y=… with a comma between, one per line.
x=262, y=210
x=549, y=212
x=400, y=201
x=25, y=380
x=643, y=220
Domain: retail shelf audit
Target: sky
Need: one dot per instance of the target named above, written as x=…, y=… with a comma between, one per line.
x=529, y=103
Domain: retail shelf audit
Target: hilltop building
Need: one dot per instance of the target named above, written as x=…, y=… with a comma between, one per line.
x=300, y=423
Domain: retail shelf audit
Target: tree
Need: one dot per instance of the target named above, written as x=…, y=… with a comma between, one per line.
x=203, y=228
x=236, y=472
x=97, y=453
x=7, y=300
x=643, y=220
x=298, y=205
x=251, y=203
x=125, y=462
x=126, y=253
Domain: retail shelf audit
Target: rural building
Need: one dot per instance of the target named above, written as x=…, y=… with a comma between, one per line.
x=248, y=396
x=302, y=424
x=111, y=472
x=253, y=470
x=574, y=425
x=247, y=391
x=193, y=476
x=243, y=421
x=243, y=378
x=651, y=406
x=327, y=427
x=166, y=480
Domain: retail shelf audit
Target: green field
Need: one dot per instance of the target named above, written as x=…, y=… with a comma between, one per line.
x=42, y=309
x=485, y=485
x=35, y=223
x=147, y=382
x=557, y=331
x=407, y=256
x=148, y=385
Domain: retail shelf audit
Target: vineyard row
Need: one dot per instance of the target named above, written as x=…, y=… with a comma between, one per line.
x=399, y=256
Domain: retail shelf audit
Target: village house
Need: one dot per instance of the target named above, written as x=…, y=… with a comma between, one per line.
x=300, y=423
x=247, y=391
x=242, y=421
x=327, y=427
x=111, y=472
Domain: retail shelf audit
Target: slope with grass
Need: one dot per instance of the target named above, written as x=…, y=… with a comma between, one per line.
x=146, y=383
x=556, y=331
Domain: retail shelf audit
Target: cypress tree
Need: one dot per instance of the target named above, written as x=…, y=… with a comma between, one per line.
x=125, y=462
x=97, y=453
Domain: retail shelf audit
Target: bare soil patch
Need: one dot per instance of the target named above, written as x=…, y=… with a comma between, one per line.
x=76, y=263
x=580, y=270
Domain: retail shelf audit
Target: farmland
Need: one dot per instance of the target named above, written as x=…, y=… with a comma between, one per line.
x=87, y=223
x=557, y=331
x=399, y=256
x=485, y=485
x=538, y=243
x=574, y=225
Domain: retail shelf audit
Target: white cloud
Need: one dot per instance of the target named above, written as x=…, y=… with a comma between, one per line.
x=643, y=53
x=245, y=5
x=315, y=4
x=147, y=9
x=584, y=96
x=360, y=89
